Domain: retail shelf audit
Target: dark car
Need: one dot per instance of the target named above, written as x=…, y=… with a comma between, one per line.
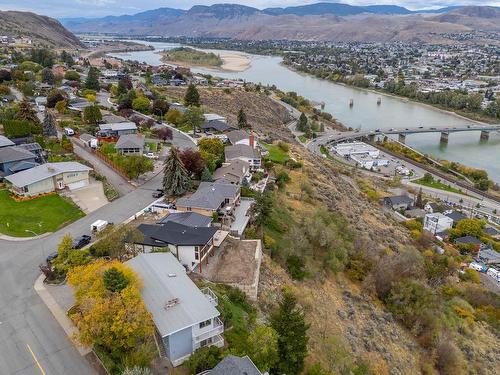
x=51, y=257
x=81, y=241
x=158, y=193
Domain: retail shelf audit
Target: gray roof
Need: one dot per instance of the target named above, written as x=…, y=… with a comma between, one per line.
x=33, y=147
x=237, y=135
x=490, y=256
x=241, y=150
x=176, y=234
x=234, y=171
x=191, y=219
x=491, y=231
x=468, y=240
x=118, y=126
x=86, y=137
x=15, y=153
x=210, y=195
x=4, y=141
x=165, y=280
x=45, y=171
x=456, y=216
x=232, y=365
x=398, y=199
x=217, y=125
x=130, y=141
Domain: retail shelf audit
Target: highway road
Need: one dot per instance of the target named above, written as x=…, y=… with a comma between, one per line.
x=24, y=318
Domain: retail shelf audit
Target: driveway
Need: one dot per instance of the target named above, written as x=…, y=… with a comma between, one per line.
x=89, y=198
x=120, y=183
x=24, y=318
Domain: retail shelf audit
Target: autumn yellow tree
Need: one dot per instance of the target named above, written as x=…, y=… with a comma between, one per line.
x=116, y=322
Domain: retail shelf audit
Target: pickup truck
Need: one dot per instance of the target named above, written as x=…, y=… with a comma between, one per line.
x=150, y=155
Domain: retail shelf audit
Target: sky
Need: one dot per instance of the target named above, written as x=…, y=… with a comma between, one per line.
x=98, y=8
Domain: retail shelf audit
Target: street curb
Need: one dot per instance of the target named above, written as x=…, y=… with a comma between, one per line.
x=4, y=237
x=59, y=314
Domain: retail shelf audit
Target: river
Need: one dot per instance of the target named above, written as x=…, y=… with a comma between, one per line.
x=464, y=148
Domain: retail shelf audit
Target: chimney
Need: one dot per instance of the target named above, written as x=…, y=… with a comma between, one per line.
x=251, y=140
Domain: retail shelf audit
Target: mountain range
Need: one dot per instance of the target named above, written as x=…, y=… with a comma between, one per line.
x=321, y=21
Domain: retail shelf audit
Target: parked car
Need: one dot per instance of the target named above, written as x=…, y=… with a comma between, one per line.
x=51, y=256
x=98, y=225
x=151, y=155
x=81, y=241
x=158, y=193
x=69, y=132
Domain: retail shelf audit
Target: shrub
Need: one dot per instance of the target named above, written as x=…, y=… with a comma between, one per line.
x=296, y=267
x=284, y=146
x=204, y=359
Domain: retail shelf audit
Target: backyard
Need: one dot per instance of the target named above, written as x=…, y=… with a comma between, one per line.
x=40, y=215
x=277, y=153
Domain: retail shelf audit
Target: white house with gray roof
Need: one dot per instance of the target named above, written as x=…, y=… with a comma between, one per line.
x=185, y=317
x=130, y=144
x=49, y=177
x=244, y=152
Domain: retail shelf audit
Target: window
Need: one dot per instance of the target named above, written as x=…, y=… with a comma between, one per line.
x=196, y=252
x=206, y=342
x=205, y=323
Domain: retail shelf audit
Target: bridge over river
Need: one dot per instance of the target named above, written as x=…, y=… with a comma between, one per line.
x=403, y=132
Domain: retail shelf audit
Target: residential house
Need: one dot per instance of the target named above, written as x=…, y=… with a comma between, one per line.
x=179, y=107
x=216, y=126
x=117, y=129
x=5, y=142
x=468, y=240
x=15, y=159
x=233, y=365
x=49, y=177
x=240, y=137
x=191, y=219
x=235, y=172
x=492, y=231
x=437, y=222
x=185, y=317
x=455, y=215
x=79, y=104
x=489, y=256
x=191, y=245
x=35, y=149
x=244, y=152
x=433, y=207
x=212, y=197
x=214, y=117
x=399, y=202
x=130, y=144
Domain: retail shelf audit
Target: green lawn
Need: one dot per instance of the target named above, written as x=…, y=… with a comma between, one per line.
x=438, y=185
x=276, y=154
x=41, y=215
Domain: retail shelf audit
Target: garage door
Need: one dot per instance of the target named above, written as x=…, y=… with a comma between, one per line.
x=79, y=184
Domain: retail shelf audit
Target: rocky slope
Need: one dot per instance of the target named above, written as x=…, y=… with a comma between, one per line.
x=42, y=30
x=336, y=22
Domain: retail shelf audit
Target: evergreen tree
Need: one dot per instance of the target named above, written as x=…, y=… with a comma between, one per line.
x=92, y=82
x=92, y=114
x=206, y=175
x=49, y=125
x=242, y=119
x=192, y=97
x=193, y=117
x=419, y=203
x=67, y=58
x=114, y=280
x=302, y=124
x=26, y=112
x=48, y=76
x=176, y=179
x=288, y=321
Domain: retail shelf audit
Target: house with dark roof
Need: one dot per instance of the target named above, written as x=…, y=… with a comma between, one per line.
x=185, y=317
x=15, y=159
x=468, y=240
x=190, y=245
x=216, y=126
x=398, y=202
x=191, y=219
x=5, y=142
x=239, y=137
x=130, y=144
x=233, y=365
x=489, y=256
x=455, y=215
x=212, y=197
x=492, y=231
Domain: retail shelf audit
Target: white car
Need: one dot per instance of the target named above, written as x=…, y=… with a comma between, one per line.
x=150, y=155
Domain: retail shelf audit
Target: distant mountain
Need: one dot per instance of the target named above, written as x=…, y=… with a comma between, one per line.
x=42, y=30
x=321, y=21
x=337, y=9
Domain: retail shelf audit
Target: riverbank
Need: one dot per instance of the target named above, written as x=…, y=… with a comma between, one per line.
x=232, y=62
x=460, y=114
x=116, y=47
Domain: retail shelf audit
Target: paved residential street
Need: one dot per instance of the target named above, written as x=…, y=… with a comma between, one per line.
x=114, y=178
x=24, y=319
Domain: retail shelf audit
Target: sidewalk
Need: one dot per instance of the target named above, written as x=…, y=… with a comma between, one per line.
x=59, y=314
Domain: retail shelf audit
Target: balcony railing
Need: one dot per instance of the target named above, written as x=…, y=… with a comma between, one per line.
x=217, y=341
x=211, y=296
x=217, y=329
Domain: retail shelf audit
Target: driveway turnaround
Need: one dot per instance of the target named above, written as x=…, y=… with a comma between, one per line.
x=31, y=341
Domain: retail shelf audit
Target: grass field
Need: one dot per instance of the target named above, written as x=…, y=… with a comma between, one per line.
x=41, y=215
x=438, y=185
x=276, y=154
